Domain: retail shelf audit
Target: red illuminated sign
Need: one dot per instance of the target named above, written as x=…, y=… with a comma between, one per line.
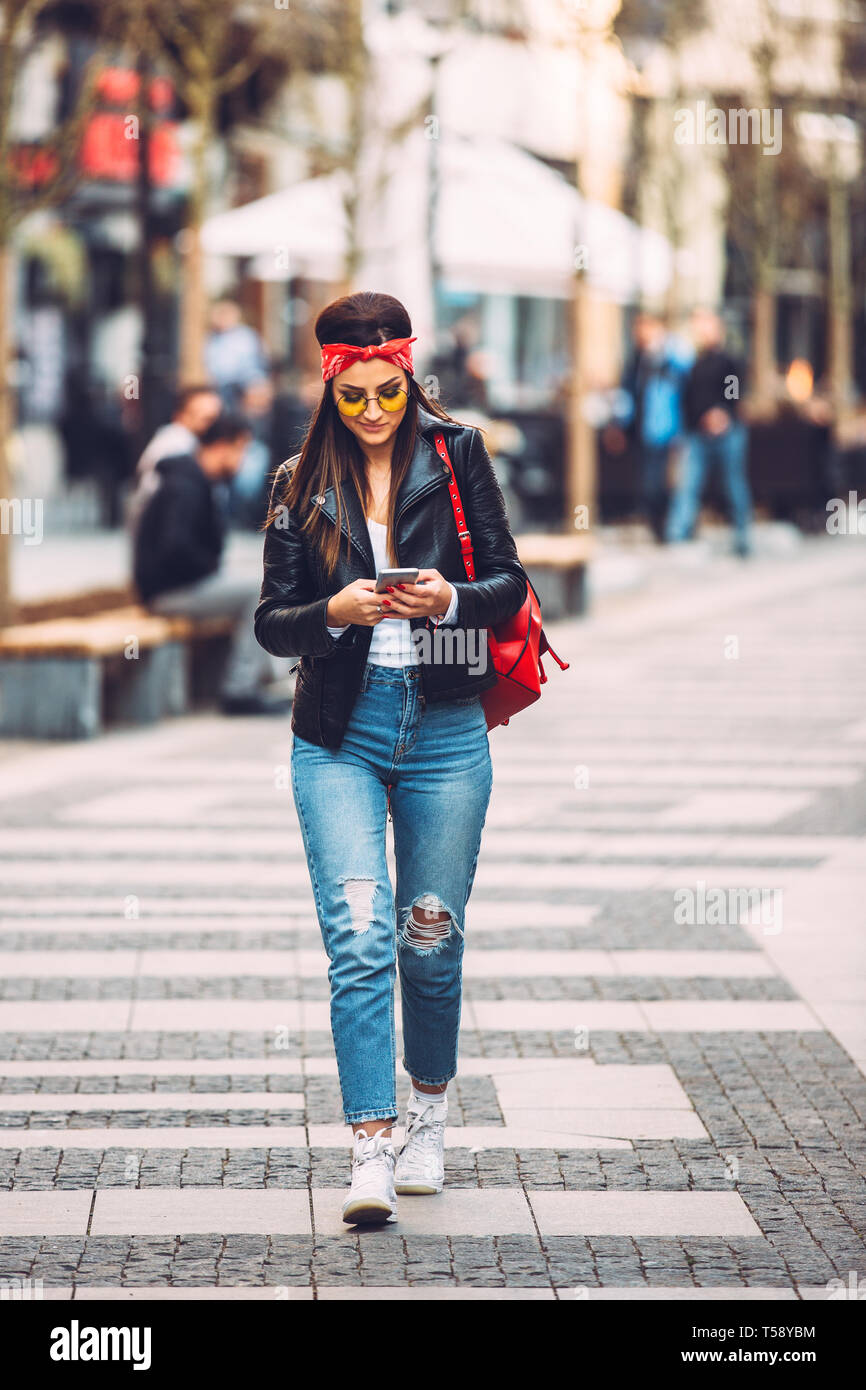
x=110, y=144
x=110, y=147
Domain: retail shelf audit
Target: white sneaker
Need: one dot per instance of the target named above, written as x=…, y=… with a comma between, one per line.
x=421, y=1161
x=372, y=1199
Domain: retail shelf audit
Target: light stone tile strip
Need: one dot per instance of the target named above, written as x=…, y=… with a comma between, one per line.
x=77, y=1102
x=674, y=1016
x=133, y=876
x=111, y=908
x=156, y=926
x=97, y=1137
x=196, y=1210
x=510, y=1016
x=482, y=1211
x=35, y=1213
x=430, y=1293
x=307, y=964
x=224, y=1293
x=562, y=1130
x=637, y=1214
x=50, y=843
x=104, y=914
x=161, y=1066
x=625, y=1293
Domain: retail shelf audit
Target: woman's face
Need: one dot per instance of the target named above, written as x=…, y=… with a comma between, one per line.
x=372, y=378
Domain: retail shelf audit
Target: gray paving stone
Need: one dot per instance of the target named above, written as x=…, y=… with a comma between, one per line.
x=783, y=1112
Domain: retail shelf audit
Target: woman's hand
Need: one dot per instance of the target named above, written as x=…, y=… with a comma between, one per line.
x=427, y=600
x=357, y=603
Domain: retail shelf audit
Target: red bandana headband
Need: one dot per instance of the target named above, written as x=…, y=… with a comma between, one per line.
x=336, y=357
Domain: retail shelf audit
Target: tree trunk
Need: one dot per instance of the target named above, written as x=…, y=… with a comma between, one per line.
x=193, y=307
x=6, y=424
x=762, y=387
x=841, y=299
x=148, y=413
x=763, y=366
x=581, y=462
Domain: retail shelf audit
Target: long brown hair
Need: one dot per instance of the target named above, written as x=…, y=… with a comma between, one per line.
x=329, y=448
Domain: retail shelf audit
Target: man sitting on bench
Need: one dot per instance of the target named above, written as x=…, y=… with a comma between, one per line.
x=178, y=543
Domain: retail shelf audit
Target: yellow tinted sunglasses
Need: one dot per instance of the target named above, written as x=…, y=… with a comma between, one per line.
x=391, y=399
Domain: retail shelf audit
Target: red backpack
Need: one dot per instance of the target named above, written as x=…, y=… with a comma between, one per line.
x=517, y=644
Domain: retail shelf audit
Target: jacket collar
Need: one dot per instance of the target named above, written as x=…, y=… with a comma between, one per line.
x=426, y=469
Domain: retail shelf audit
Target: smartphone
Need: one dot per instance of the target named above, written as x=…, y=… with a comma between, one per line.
x=386, y=577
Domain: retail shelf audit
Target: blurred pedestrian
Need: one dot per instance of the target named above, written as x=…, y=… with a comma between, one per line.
x=195, y=409
x=653, y=386
x=179, y=540
x=96, y=444
x=234, y=354
x=296, y=396
x=249, y=487
x=716, y=436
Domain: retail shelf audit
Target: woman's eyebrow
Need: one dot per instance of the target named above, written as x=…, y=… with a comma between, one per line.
x=360, y=389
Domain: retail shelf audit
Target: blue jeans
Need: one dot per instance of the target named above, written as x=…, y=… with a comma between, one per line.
x=702, y=453
x=437, y=761
x=654, y=485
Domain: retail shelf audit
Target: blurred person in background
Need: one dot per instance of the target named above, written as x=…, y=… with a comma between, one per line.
x=195, y=409
x=178, y=545
x=652, y=387
x=296, y=396
x=97, y=445
x=249, y=486
x=716, y=436
x=234, y=354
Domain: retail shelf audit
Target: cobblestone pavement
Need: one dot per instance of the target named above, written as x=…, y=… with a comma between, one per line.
x=663, y=1045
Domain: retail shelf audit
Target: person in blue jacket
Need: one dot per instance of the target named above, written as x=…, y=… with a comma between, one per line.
x=651, y=418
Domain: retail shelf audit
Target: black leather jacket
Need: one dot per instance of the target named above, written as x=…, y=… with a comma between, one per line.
x=291, y=616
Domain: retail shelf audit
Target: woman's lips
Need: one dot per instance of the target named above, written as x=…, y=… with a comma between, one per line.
x=372, y=427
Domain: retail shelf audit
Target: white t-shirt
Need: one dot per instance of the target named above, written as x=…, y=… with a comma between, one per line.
x=169, y=440
x=391, y=643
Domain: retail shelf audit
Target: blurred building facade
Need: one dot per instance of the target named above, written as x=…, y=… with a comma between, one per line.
x=746, y=151
x=447, y=160
x=477, y=160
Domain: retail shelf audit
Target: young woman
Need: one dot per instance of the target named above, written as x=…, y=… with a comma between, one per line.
x=387, y=714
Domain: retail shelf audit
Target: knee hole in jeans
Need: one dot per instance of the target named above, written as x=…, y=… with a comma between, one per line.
x=427, y=924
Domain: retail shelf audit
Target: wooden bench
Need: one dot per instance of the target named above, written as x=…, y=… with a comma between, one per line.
x=69, y=677
x=70, y=674
x=83, y=603
x=557, y=564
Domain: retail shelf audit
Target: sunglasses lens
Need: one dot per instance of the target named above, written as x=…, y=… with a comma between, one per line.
x=388, y=400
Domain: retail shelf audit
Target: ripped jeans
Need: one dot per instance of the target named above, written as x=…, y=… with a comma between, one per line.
x=437, y=760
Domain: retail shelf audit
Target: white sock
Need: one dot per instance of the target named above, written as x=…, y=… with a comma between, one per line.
x=422, y=1097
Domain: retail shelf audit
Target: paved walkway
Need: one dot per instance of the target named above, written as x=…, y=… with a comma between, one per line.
x=663, y=1045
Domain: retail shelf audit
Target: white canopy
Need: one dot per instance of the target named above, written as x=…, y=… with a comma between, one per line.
x=506, y=223
x=510, y=222
x=301, y=230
